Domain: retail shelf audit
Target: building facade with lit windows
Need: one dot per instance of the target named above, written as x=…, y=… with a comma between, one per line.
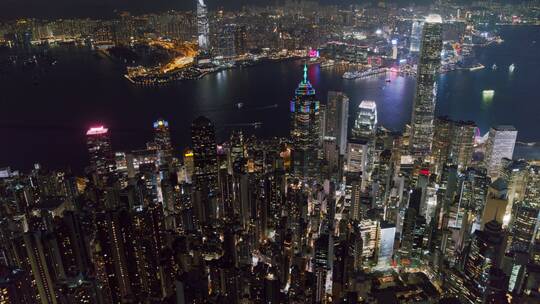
x=305, y=129
x=426, y=87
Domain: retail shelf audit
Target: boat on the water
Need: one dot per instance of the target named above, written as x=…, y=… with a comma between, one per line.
x=511, y=68
x=362, y=74
x=476, y=67
x=494, y=66
x=487, y=95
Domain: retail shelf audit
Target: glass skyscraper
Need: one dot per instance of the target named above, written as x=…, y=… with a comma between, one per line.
x=500, y=144
x=337, y=114
x=305, y=128
x=203, y=27
x=426, y=87
x=366, y=123
x=203, y=138
x=100, y=151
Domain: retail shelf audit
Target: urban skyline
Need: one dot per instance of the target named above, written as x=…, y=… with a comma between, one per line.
x=339, y=209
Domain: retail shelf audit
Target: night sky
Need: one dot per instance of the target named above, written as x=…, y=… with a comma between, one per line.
x=10, y=9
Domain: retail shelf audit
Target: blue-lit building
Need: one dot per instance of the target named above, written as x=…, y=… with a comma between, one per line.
x=305, y=129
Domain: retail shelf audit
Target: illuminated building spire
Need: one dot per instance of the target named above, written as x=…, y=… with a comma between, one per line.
x=305, y=73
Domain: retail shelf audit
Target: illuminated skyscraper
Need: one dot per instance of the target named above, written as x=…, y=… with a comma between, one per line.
x=203, y=27
x=416, y=36
x=162, y=136
x=203, y=138
x=525, y=222
x=532, y=193
x=226, y=41
x=485, y=253
x=453, y=143
x=366, y=121
x=426, y=87
x=99, y=149
x=305, y=128
x=500, y=144
x=337, y=115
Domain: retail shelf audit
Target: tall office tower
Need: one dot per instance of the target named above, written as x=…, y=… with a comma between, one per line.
x=485, y=253
x=514, y=173
x=203, y=138
x=162, y=136
x=237, y=154
x=426, y=87
x=100, y=151
x=357, y=156
x=386, y=244
x=369, y=230
x=337, y=115
x=305, y=129
x=365, y=124
x=442, y=132
x=240, y=40
x=189, y=165
x=416, y=36
x=453, y=143
x=226, y=41
x=500, y=144
x=462, y=148
x=394, y=49
x=321, y=267
x=532, y=191
x=203, y=28
x=525, y=222
x=410, y=223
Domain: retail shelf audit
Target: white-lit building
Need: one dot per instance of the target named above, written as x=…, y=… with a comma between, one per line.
x=500, y=144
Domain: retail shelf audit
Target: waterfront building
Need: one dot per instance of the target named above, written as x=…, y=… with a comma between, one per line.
x=426, y=87
x=100, y=151
x=416, y=36
x=365, y=124
x=162, y=139
x=205, y=170
x=226, y=41
x=162, y=136
x=500, y=144
x=305, y=129
x=203, y=27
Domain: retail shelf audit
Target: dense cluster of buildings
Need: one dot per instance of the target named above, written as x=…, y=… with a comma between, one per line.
x=334, y=213
x=353, y=33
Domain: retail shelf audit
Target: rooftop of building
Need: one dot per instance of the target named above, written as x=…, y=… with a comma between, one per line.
x=434, y=18
x=504, y=128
